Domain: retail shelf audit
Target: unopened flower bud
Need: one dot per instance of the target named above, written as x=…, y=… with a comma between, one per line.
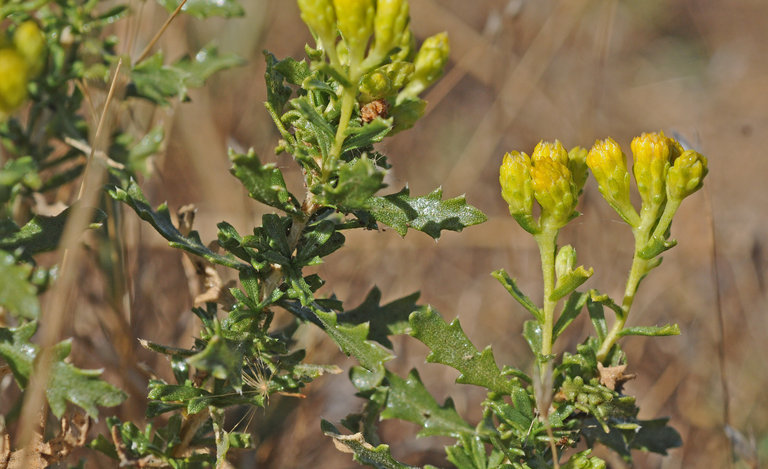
x=29, y=41
x=399, y=73
x=389, y=25
x=429, y=64
x=517, y=188
x=320, y=16
x=577, y=163
x=407, y=46
x=549, y=150
x=13, y=80
x=555, y=191
x=355, y=21
x=609, y=166
x=651, y=153
x=686, y=176
x=565, y=260
x=375, y=85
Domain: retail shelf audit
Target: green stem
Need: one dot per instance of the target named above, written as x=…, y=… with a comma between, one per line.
x=348, y=96
x=547, y=241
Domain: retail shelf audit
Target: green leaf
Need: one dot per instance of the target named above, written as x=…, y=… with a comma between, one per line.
x=366, y=135
x=206, y=8
x=205, y=63
x=66, y=383
x=17, y=294
x=161, y=221
x=222, y=358
x=570, y=282
x=511, y=285
x=389, y=319
x=42, y=234
x=277, y=93
x=654, y=247
x=153, y=80
x=18, y=170
x=532, y=334
x=294, y=71
x=652, y=331
x=428, y=214
x=352, y=340
x=357, y=181
x=570, y=311
x=364, y=453
x=264, y=182
x=318, y=241
x=450, y=346
x=18, y=352
x=656, y=436
x=409, y=400
x=582, y=460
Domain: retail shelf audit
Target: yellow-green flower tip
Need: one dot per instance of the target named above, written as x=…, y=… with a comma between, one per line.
x=686, y=175
x=29, y=41
x=428, y=64
x=549, y=150
x=320, y=16
x=354, y=19
x=651, y=153
x=516, y=184
x=577, y=163
x=389, y=25
x=609, y=166
x=13, y=80
x=555, y=191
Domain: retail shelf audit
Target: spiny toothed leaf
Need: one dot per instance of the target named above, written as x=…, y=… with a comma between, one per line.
x=450, y=346
x=66, y=382
x=353, y=340
x=409, y=400
x=364, y=453
x=222, y=358
x=161, y=221
x=42, y=234
x=357, y=181
x=384, y=320
x=429, y=214
x=264, y=182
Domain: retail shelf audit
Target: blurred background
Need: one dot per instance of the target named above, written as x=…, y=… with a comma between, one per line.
x=521, y=71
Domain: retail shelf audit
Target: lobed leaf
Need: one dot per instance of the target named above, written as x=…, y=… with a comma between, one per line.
x=364, y=453
x=17, y=294
x=357, y=181
x=429, y=214
x=206, y=8
x=450, y=346
x=264, y=182
x=409, y=400
x=383, y=320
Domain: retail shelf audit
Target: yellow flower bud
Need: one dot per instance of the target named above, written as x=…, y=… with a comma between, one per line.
x=517, y=188
x=651, y=153
x=686, y=176
x=320, y=16
x=609, y=166
x=555, y=191
x=389, y=25
x=429, y=64
x=13, y=80
x=375, y=85
x=577, y=163
x=29, y=41
x=355, y=21
x=552, y=151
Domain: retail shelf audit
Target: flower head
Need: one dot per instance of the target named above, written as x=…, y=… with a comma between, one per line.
x=354, y=19
x=652, y=154
x=609, y=166
x=555, y=191
x=428, y=64
x=686, y=176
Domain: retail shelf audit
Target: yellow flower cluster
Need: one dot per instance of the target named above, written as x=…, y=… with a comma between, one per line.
x=553, y=176
x=663, y=171
x=375, y=40
x=22, y=57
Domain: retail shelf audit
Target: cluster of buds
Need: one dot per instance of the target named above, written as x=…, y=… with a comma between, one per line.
x=663, y=170
x=371, y=45
x=552, y=176
x=22, y=57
